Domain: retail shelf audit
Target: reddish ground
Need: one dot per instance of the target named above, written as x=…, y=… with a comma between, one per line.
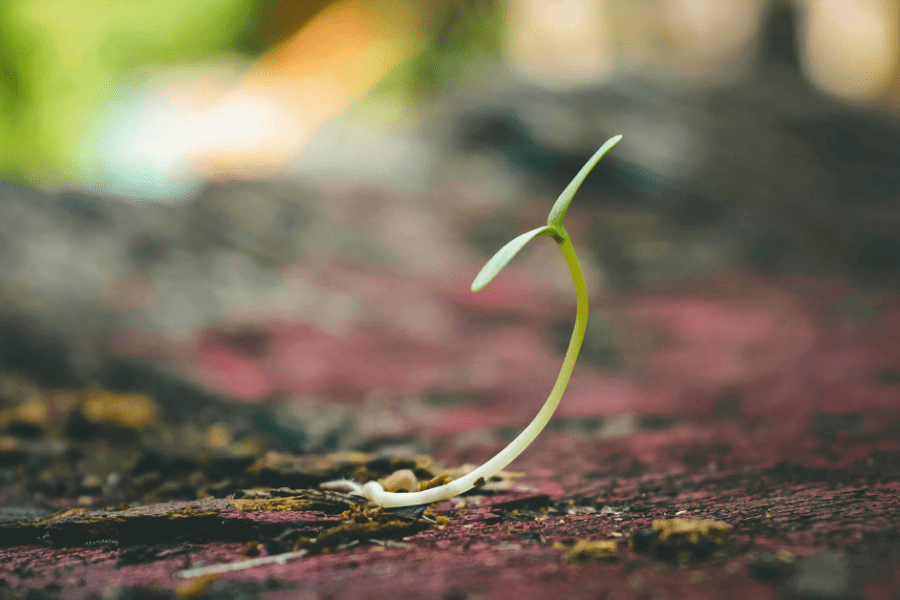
x=770, y=406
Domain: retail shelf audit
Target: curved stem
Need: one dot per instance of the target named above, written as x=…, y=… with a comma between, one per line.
x=373, y=490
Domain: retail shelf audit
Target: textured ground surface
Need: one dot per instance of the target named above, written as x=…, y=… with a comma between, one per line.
x=770, y=408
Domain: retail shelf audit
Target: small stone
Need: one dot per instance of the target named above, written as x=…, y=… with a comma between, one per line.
x=585, y=549
x=404, y=479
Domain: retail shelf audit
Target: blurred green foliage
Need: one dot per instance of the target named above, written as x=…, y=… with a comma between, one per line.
x=462, y=39
x=66, y=63
x=63, y=61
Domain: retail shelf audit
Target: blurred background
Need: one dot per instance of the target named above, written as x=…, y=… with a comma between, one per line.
x=284, y=203
x=145, y=100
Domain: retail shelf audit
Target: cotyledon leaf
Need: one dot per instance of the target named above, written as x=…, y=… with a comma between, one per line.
x=558, y=212
x=505, y=254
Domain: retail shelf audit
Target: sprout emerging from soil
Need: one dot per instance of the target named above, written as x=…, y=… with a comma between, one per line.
x=374, y=491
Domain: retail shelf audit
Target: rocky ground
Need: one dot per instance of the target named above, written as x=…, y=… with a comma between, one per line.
x=747, y=447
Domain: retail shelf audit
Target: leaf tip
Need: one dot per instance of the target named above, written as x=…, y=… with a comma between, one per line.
x=558, y=212
x=504, y=255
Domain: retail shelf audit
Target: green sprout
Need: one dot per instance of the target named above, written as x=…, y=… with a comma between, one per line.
x=373, y=490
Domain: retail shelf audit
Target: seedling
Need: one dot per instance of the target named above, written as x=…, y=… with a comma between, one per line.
x=373, y=490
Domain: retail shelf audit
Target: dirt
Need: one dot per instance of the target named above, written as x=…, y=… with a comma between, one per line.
x=792, y=528
x=707, y=496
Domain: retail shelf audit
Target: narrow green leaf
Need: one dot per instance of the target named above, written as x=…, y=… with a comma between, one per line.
x=558, y=212
x=505, y=254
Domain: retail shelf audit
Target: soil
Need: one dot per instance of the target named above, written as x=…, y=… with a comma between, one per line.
x=775, y=479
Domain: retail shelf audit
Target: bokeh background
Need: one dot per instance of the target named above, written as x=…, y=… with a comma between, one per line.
x=284, y=203
x=237, y=239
